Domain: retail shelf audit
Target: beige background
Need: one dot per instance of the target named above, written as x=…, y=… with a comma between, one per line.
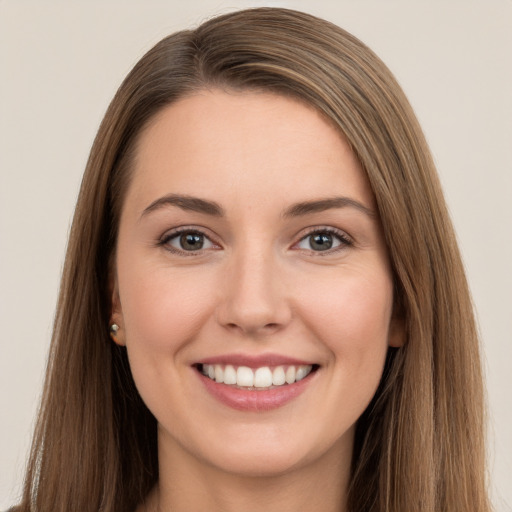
x=60, y=64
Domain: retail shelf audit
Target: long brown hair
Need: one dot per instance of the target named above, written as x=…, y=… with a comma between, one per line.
x=420, y=444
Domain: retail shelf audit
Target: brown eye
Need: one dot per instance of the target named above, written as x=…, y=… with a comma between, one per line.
x=191, y=241
x=188, y=241
x=321, y=241
x=324, y=240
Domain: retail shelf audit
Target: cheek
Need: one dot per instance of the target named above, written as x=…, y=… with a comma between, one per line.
x=162, y=312
x=348, y=314
x=162, y=309
x=351, y=316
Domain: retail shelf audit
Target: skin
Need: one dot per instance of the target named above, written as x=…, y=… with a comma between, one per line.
x=257, y=286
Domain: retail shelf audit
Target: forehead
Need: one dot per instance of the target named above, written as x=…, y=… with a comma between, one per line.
x=231, y=144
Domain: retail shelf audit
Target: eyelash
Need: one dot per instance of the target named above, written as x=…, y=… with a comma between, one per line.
x=343, y=238
x=164, y=241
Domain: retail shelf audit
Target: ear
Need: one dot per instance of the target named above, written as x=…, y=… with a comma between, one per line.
x=116, y=313
x=397, y=334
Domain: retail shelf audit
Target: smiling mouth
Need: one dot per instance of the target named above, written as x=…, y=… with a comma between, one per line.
x=256, y=379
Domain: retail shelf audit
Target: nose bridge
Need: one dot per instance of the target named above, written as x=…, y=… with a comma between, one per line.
x=254, y=299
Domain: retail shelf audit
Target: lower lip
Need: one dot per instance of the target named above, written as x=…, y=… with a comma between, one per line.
x=252, y=400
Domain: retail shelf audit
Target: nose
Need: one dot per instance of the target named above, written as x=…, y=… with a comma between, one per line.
x=254, y=295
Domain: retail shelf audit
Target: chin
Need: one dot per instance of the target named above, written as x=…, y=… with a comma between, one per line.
x=260, y=463
x=272, y=453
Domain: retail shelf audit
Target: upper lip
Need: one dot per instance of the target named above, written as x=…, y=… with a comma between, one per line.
x=254, y=361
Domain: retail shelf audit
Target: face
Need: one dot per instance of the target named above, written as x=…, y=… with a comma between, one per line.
x=253, y=289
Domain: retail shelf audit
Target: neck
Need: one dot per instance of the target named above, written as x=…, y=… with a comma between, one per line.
x=187, y=483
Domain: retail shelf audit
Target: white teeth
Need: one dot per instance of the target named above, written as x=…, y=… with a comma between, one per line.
x=219, y=373
x=263, y=377
x=229, y=375
x=278, y=376
x=290, y=375
x=244, y=377
x=302, y=371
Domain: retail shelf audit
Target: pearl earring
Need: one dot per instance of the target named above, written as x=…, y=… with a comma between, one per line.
x=114, y=328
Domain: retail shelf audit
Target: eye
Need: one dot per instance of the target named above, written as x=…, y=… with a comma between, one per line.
x=187, y=241
x=324, y=240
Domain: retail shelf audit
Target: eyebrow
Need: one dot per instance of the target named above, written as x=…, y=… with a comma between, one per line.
x=189, y=203
x=321, y=205
x=207, y=207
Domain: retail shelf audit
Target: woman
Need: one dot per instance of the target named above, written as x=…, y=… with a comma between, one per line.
x=272, y=308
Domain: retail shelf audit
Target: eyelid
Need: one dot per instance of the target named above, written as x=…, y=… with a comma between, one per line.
x=175, y=232
x=345, y=239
